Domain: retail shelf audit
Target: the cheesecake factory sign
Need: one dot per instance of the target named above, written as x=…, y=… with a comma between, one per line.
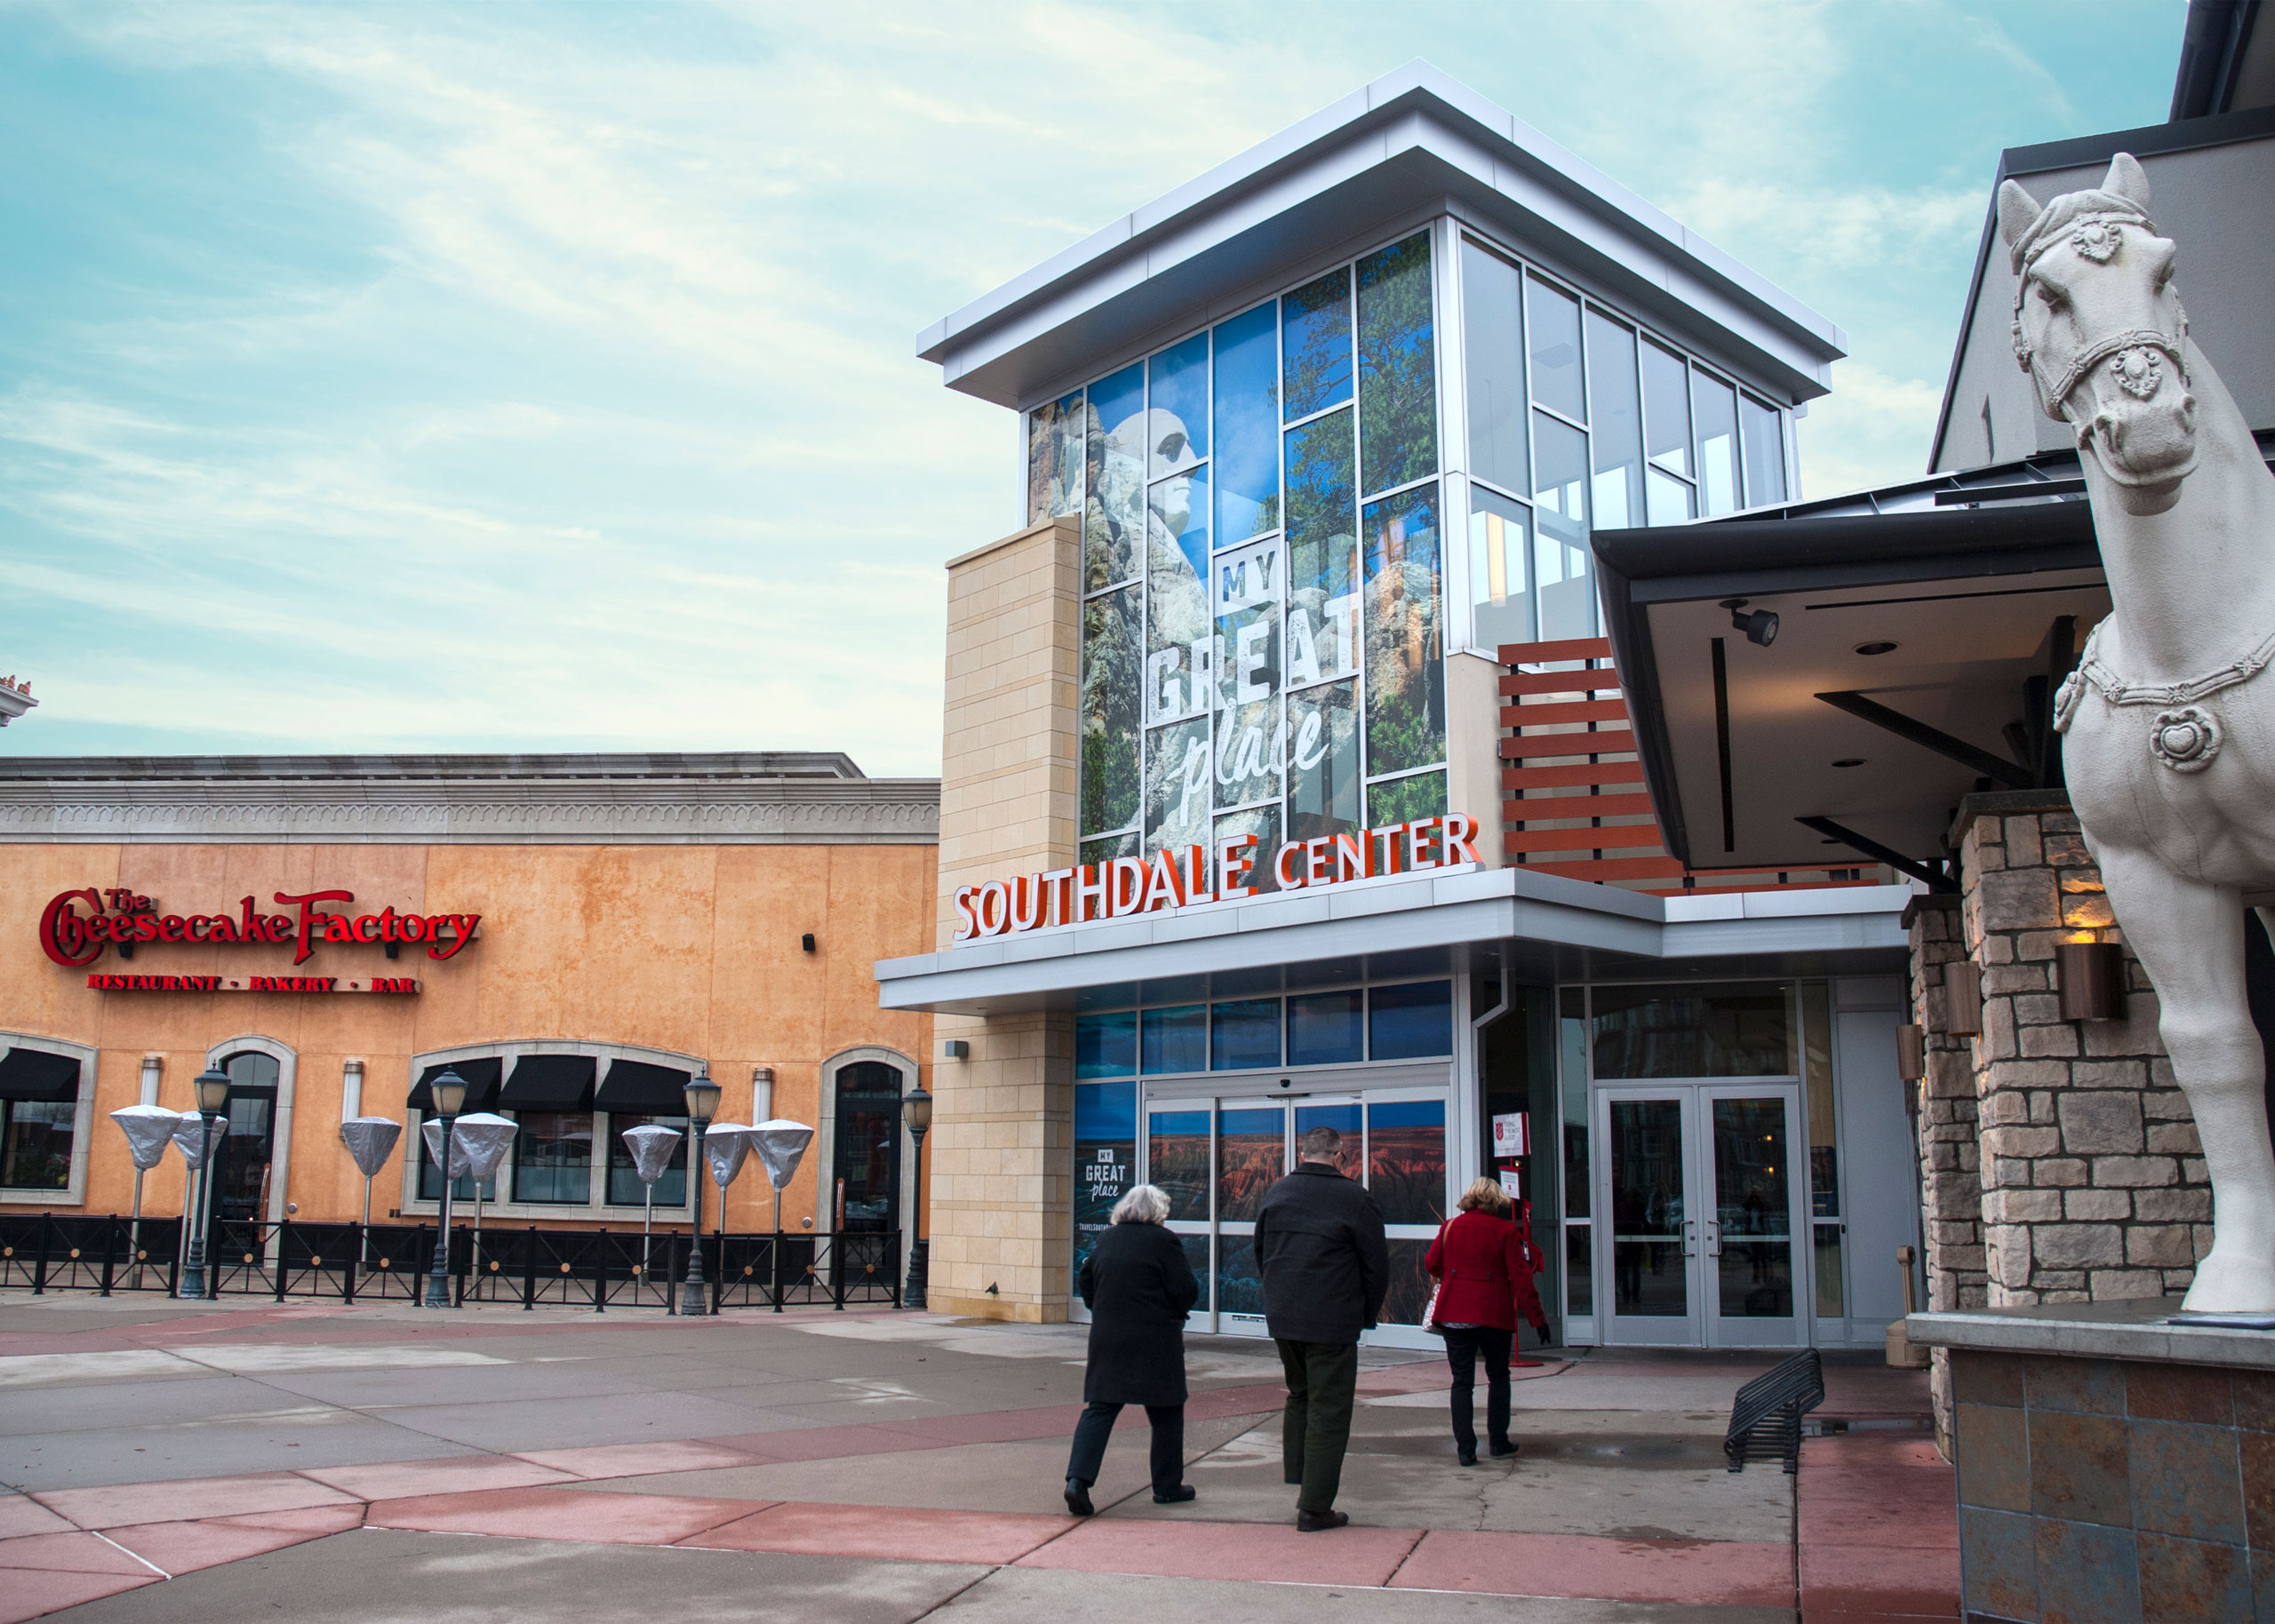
x=1184, y=877
x=77, y=926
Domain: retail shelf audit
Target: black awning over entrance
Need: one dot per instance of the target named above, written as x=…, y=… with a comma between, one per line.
x=550, y=1082
x=637, y=1087
x=480, y=1078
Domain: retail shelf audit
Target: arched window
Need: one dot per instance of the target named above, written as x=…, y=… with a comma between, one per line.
x=241, y=1165
x=867, y=1172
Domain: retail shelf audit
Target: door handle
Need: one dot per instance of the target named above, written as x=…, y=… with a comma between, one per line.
x=1690, y=1238
x=1714, y=1238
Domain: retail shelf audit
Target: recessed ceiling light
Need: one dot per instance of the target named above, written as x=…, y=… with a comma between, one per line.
x=1873, y=649
x=1851, y=761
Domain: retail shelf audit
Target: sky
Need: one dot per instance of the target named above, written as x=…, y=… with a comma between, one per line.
x=510, y=377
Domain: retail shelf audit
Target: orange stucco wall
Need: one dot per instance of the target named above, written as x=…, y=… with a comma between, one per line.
x=694, y=949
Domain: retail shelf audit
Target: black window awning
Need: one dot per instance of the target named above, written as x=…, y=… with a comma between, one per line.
x=481, y=1077
x=36, y=1074
x=550, y=1082
x=649, y=1090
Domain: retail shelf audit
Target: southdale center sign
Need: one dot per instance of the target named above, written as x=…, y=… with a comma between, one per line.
x=1186, y=876
x=74, y=939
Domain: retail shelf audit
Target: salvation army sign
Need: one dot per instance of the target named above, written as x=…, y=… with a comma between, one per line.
x=1186, y=876
x=117, y=916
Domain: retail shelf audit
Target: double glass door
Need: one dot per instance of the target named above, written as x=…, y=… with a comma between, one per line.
x=1215, y=1157
x=1698, y=1187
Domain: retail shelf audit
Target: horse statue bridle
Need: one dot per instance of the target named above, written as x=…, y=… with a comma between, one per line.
x=2097, y=237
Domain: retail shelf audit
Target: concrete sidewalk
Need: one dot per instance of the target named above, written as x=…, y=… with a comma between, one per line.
x=178, y=1460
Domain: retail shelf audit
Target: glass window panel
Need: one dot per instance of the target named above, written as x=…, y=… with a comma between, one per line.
x=1264, y=824
x=1402, y=799
x=1244, y=1034
x=1406, y=671
x=1572, y=1071
x=1251, y=745
x=1713, y=1030
x=1315, y=344
x=1179, y=639
x=1561, y=576
x=1667, y=500
x=624, y=1186
x=1247, y=584
x=1579, y=1268
x=1322, y=761
x=1553, y=322
x=1667, y=409
x=1414, y=1021
x=1816, y=1075
x=1832, y=1294
x=1753, y=1174
x=1114, y=501
x=1107, y=849
x=1240, y=1288
x=1106, y=1045
x=1765, y=452
x=1715, y=410
x=1326, y=1029
x=1175, y=1040
x=1322, y=551
x=1493, y=347
x=553, y=1157
x=1252, y=1156
x=36, y=1152
x=1247, y=425
x=1405, y=1159
x=1350, y=1158
x=1649, y=1275
x=1176, y=426
x=1176, y=785
x=1616, y=424
x=1500, y=542
x=1410, y=1283
x=1109, y=718
x=1177, y=1164
x=1106, y=1156
x=1398, y=371
x=1054, y=459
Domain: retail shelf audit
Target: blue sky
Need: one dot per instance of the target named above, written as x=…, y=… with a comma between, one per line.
x=515, y=377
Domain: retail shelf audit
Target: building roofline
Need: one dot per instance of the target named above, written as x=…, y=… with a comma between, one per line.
x=1328, y=149
x=747, y=765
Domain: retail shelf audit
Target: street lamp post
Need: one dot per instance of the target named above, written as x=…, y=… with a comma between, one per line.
x=212, y=1100
x=917, y=1106
x=702, y=1104
x=449, y=1091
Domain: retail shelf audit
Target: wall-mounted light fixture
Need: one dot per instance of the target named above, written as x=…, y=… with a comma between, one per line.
x=1962, y=998
x=351, y=1090
x=761, y=1094
x=1760, y=626
x=154, y=1069
x=807, y=942
x=2092, y=980
x=955, y=1049
x=1912, y=1052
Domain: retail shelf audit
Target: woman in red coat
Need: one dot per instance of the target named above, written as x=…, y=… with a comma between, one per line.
x=1482, y=1265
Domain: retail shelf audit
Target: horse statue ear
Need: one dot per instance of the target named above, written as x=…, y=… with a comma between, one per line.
x=2128, y=180
x=2019, y=212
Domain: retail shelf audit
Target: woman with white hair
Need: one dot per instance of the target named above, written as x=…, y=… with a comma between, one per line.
x=1139, y=1288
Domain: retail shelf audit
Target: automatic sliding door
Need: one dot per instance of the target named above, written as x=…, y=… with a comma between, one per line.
x=1252, y=1156
x=1177, y=1160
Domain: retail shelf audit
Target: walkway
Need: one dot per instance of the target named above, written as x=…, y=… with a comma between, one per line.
x=180, y=1462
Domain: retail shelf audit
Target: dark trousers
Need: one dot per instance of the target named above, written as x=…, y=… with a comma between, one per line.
x=1463, y=1345
x=1322, y=1385
x=1097, y=1426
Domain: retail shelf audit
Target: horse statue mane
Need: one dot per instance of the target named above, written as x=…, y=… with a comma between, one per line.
x=2169, y=743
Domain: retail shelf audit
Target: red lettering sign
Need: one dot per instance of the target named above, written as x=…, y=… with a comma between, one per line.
x=74, y=939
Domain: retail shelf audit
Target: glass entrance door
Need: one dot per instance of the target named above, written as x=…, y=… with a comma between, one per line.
x=1697, y=1189
x=1178, y=1159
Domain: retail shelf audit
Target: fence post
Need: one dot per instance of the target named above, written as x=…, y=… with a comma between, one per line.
x=777, y=1271
x=347, y=1274
x=671, y=1272
x=837, y=1271
x=599, y=1275
x=173, y=1267
x=39, y=1255
x=529, y=1273
x=284, y=1255
x=110, y=1251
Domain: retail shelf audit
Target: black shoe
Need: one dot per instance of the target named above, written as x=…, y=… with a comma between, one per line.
x=1177, y=1496
x=1468, y=1457
x=1318, y=1521
x=1078, y=1498
x=1503, y=1449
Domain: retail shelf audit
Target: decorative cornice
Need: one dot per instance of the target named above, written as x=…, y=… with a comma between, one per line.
x=482, y=800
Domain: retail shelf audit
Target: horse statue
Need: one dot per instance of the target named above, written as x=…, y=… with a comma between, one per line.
x=2169, y=742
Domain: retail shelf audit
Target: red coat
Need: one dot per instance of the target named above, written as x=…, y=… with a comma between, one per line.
x=1483, y=1264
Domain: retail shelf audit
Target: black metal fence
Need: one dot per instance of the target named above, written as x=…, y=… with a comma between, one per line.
x=599, y=1268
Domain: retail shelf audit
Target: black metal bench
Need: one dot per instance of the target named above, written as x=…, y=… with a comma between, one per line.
x=1766, y=1418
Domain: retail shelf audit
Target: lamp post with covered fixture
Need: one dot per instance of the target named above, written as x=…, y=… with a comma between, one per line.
x=213, y=1101
x=449, y=1092
x=916, y=1107
x=702, y=1096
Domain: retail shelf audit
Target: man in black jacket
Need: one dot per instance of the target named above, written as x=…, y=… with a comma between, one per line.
x=1326, y=1268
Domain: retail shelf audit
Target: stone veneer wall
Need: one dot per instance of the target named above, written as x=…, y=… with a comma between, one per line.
x=1002, y=1136
x=2070, y=1137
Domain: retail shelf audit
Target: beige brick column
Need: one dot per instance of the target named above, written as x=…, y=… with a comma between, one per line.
x=1004, y=1126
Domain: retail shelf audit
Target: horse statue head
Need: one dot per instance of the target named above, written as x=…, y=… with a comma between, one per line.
x=2100, y=329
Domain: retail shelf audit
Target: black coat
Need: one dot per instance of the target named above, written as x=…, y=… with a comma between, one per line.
x=1321, y=1249
x=1139, y=1288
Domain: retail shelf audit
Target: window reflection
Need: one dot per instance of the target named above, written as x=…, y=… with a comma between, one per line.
x=1406, y=679
x=1616, y=424
x=1552, y=322
x=1666, y=409
x=1113, y=478
x=1765, y=453
x=1176, y=1039
x=1500, y=542
x=1315, y=344
x=1325, y=1029
x=1248, y=425
x=1398, y=382
x=1176, y=1162
x=1177, y=430
x=1405, y=1159
x=1055, y=459
x=1244, y=1034
x=1493, y=352
x=553, y=1157
x=1561, y=574
x=1251, y=1155
x=1714, y=407
x=1322, y=761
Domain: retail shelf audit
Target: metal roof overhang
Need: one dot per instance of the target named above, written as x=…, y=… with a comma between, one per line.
x=1549, y=928
x=1967, y=597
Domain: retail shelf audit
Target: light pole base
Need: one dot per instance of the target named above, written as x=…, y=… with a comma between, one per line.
x=193, y=1282
x=919, y=1271
x=693, y=1298
x=438, y=1292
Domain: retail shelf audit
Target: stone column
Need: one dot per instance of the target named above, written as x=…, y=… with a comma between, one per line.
x=1002, y=1134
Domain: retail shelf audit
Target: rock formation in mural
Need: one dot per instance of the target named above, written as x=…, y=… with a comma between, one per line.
x=2170, y=742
